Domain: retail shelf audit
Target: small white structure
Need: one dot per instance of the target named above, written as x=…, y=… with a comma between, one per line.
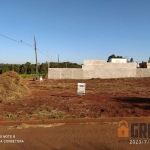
x=41, y=79
x=118, y=60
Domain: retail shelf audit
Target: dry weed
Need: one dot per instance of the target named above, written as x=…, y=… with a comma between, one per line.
x=11, y=88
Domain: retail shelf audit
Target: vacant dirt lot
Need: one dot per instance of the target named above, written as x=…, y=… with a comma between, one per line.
x=127, y=97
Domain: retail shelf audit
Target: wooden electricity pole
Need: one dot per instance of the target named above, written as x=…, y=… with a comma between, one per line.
x=37, y=77
x=58, y=60
x=48, y=59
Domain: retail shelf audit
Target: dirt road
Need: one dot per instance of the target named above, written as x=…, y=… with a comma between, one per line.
x=78, y=135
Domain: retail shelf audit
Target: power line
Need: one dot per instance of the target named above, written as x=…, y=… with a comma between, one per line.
x=44, y=51
x=41, y=51
x=22, y=42
x=10, y=38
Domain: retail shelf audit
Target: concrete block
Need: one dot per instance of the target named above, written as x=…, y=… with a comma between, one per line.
x=77, y=73
x=65, y=73
x=94, y=62
x=54, y=73
x=142, y=72
x=93, y=67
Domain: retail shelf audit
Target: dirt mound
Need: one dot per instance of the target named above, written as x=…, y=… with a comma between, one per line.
x=11, y=87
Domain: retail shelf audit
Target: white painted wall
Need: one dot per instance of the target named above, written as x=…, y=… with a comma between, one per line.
x=118, y=60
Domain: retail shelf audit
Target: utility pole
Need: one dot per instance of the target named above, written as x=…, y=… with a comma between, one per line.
x=127, y=58
x=58, y=60
x=37, y=77
x=48, y=59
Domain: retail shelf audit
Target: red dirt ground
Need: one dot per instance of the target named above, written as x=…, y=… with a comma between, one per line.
x=127, y=97
x=86, y=136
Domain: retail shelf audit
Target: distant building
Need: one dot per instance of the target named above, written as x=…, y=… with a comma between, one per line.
x=144, y=64
x=118, y=60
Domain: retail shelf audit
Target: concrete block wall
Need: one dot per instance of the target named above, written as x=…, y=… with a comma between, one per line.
x=65, y=73
x=99, y=69
x=102, y=69
x=94, y=62
x=143, y=72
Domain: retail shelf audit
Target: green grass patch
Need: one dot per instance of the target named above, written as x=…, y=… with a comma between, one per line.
x=25, y=76
x=57, y=116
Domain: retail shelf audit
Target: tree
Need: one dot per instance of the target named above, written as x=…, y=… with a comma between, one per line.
x=16, y=68
x=113, y=56
x=23, y=69
x=4, y=69
x=43, y=68
x=28, y=65
x=149, y=60
x=131, y=60
x=33, y=68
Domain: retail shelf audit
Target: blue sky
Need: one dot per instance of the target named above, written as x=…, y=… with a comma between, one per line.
x=77, y=30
